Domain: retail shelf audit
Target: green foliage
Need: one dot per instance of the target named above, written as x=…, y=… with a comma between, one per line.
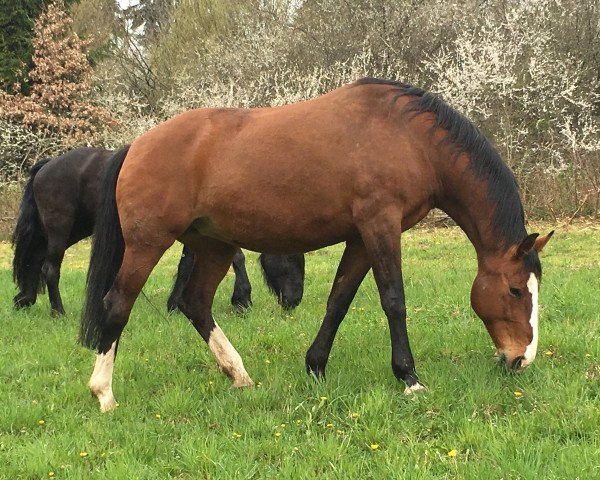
x=16, y=32
x=178, y=416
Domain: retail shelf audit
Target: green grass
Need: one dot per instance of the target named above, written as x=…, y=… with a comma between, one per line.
x=178, y=416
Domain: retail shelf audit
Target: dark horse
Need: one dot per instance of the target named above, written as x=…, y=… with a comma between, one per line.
x=58, y=209
x=358, y=165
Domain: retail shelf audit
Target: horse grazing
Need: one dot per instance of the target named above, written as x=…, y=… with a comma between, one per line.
x=358, y=165
x=58, y=209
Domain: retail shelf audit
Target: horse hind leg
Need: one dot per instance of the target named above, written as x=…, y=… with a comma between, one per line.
x=184, y=270
x=51, y=272
x=242, y=290
x=212, y=263
x=134, y=271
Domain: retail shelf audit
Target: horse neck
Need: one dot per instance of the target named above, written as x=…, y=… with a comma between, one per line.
x=466, y=200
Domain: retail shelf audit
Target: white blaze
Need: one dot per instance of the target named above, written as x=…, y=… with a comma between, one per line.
x=531, y=350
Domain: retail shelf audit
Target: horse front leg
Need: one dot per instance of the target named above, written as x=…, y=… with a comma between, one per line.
x=351, y=271
x=381, y=236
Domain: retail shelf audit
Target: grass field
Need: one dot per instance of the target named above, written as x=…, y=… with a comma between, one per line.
x=178, y=416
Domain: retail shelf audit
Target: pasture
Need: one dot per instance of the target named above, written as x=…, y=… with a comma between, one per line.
x=179, y=418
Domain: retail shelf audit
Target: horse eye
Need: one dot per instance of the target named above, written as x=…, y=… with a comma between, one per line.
x=516, y=292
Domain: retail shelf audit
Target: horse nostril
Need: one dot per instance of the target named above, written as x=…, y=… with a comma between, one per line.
x=517, y=362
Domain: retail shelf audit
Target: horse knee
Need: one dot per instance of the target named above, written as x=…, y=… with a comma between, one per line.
x=393, y=305
x=51, y=271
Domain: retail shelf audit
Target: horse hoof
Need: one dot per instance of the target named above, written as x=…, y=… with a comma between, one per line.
x=416, y=388
x=108, y=405
x=243, y=382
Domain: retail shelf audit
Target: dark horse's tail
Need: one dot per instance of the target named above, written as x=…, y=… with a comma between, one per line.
x=108, y=247
x=28, y=239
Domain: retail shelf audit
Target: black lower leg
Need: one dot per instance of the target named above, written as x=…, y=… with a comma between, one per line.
x=184, y=270
x=242, y=290
x=51, y=272
x=351, y=271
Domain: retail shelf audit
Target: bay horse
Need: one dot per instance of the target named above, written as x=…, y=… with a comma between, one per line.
x=360, y=164
x=58, y=209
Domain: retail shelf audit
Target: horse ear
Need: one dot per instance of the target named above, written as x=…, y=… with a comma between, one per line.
x=541, y=242
x=526, y=245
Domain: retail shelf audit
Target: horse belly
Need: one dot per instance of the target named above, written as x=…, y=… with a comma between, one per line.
x=277, y=224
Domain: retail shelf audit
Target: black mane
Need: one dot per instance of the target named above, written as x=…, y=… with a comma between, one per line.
x=485, y=161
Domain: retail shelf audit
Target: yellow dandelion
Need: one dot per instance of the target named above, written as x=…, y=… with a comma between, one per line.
x=277, y=434
x=340, y=432
x=518, y=394
x=157, y=416
x=211, y=382
x=548, y=353
x=236, y=435
x=259, y=384
x=282, y=425
x=295, y=449
x=34, y=402
x=83, y=454
x=298, y=422
x=355, y=414
x=267, y=361
x=51, y=474
x=452, y=453
x=588, y=355
x=374, y=446
x=330, y=425
x=323, y=398
x=41, y=422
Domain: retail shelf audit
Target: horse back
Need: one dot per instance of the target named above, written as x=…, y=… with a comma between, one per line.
x=304, y=172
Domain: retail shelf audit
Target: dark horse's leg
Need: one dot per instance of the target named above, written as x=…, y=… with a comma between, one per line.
x=184, y=271
x=381, y=236
x=58, y=223
x=242, y=290
x=212, y=262
x=51, y=271
x=241, y=298
x=352, y=269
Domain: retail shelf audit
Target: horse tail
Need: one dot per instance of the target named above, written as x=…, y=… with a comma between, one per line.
x=108, y=248
x=28, y=237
